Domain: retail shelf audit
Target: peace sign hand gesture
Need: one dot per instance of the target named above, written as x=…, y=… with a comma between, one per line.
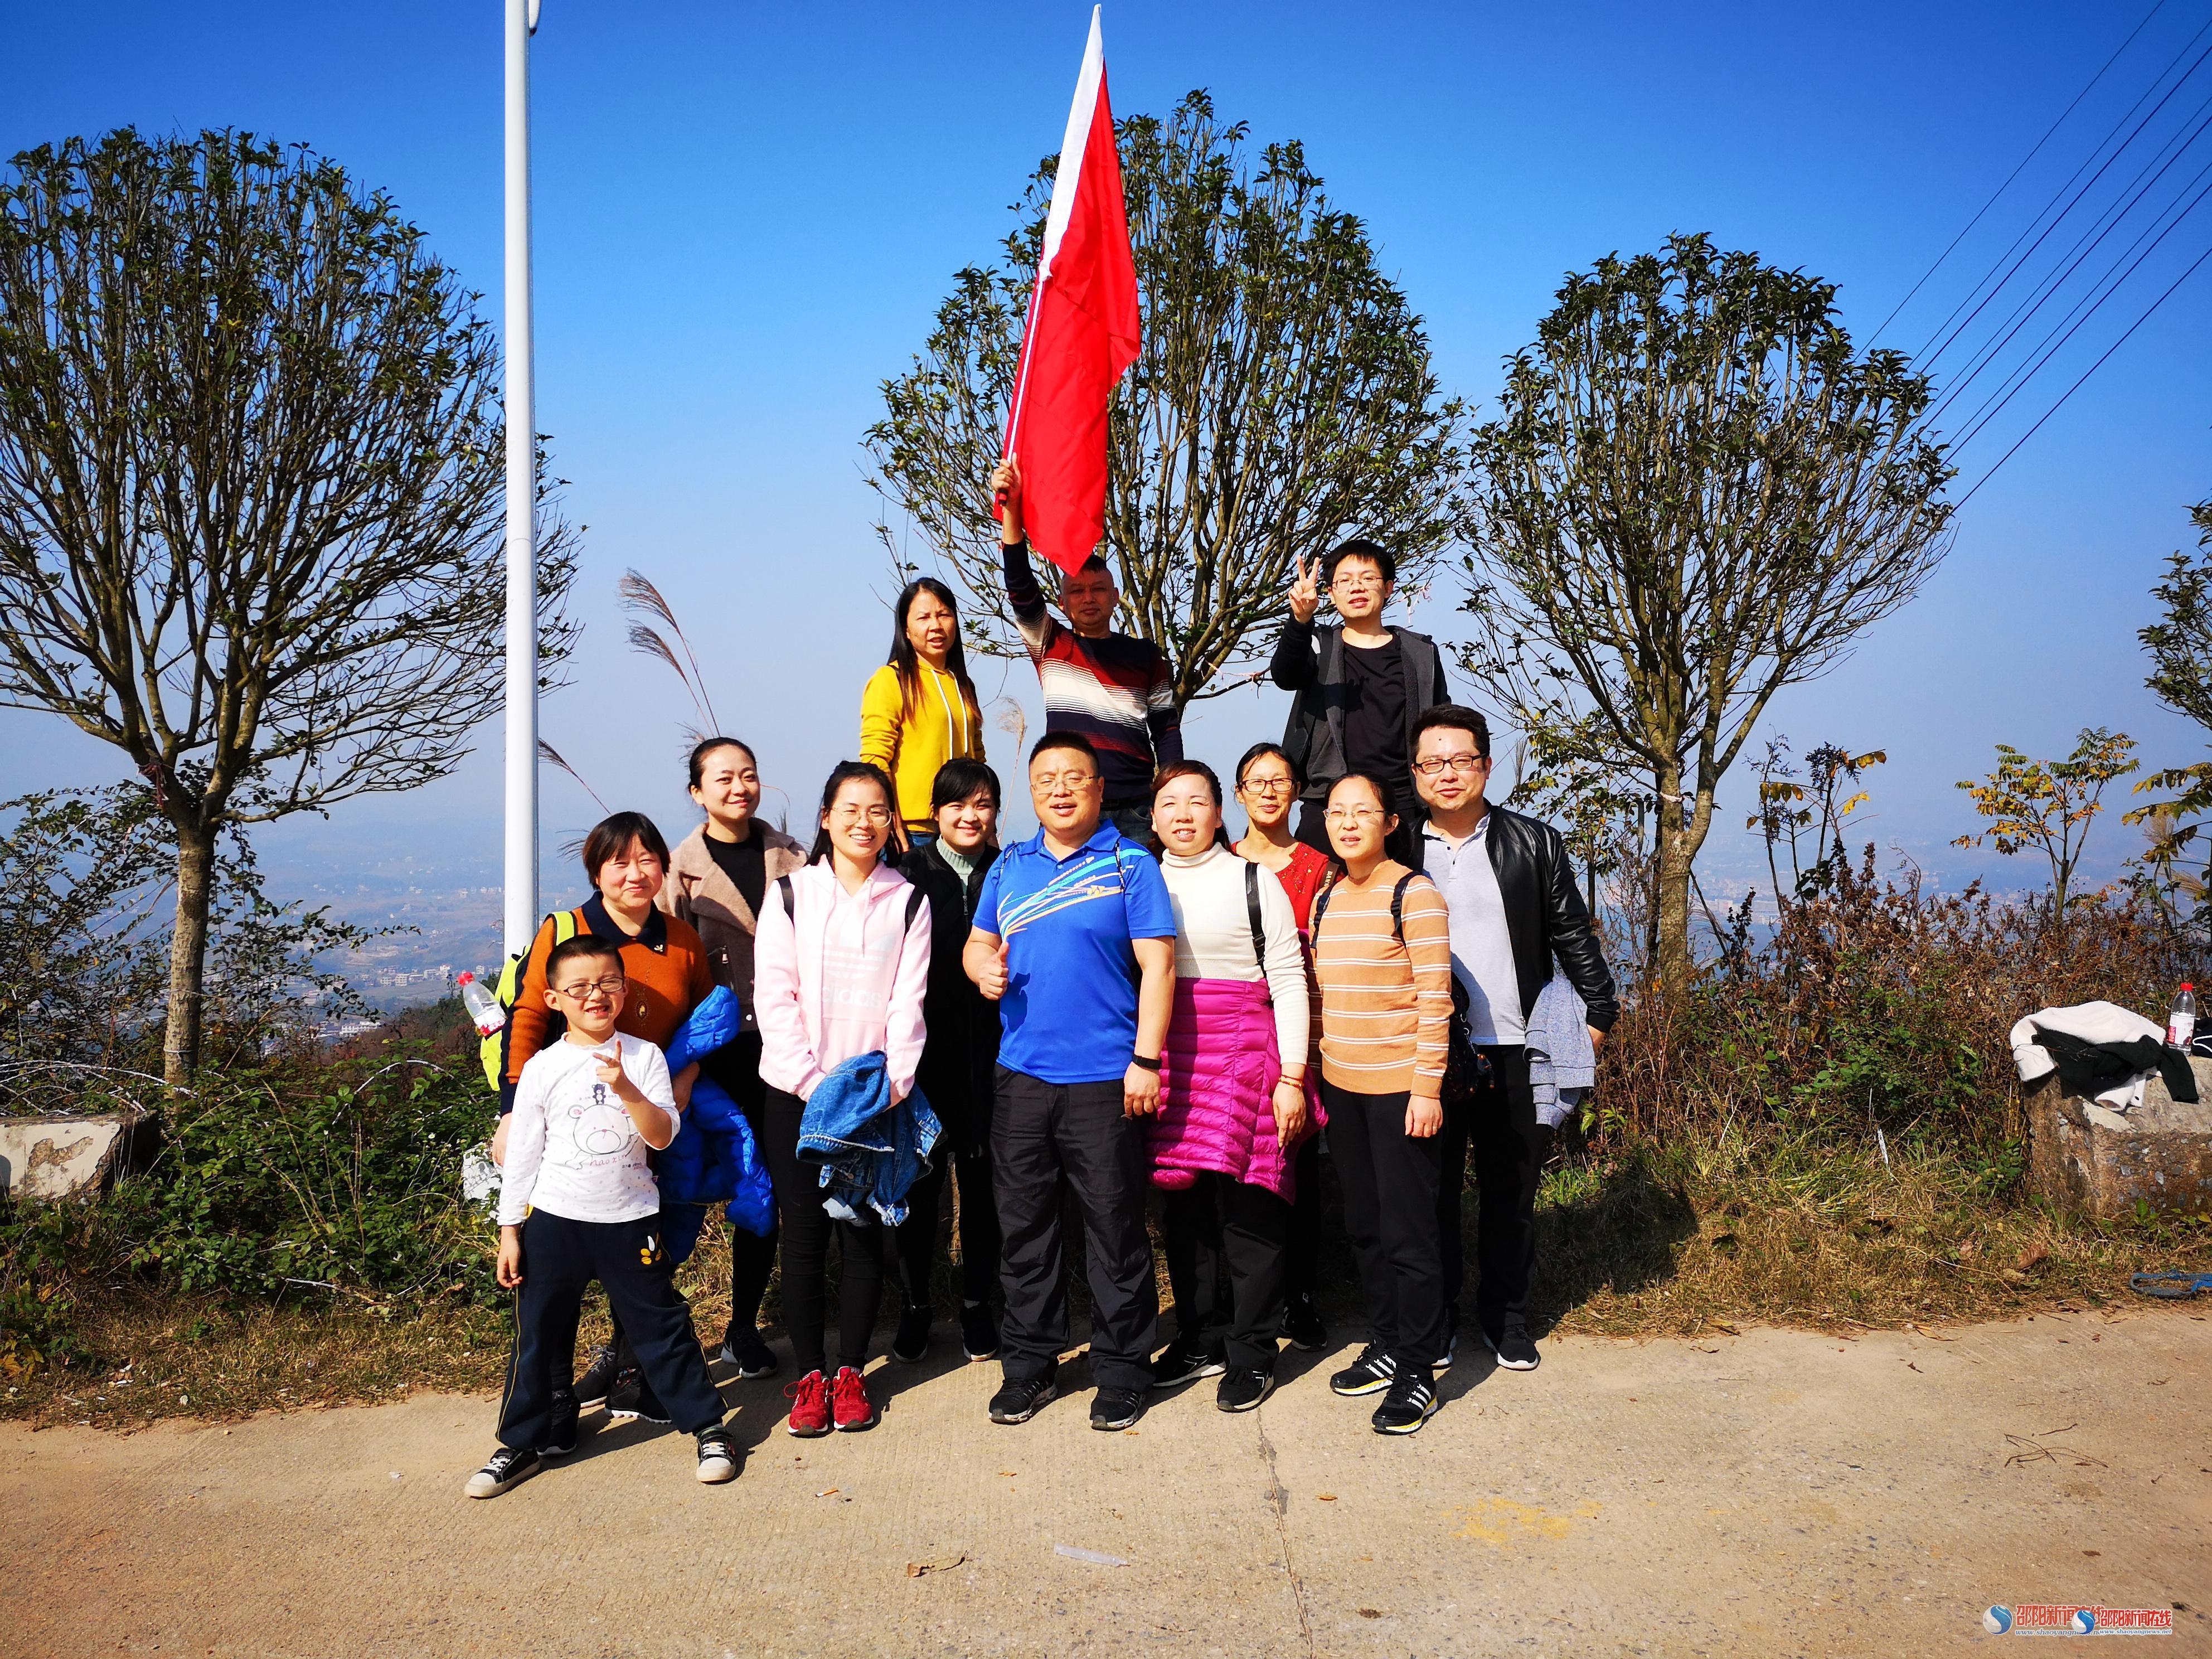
x=1305, y=589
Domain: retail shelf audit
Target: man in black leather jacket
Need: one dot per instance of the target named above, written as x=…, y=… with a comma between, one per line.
x=1516, y=912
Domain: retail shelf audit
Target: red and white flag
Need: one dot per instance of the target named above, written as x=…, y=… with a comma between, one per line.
x=1083, y=331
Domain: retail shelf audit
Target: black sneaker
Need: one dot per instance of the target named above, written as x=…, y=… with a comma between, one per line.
x=561, y=1433
x=911, y=1345
x=718, y=1457
x=1242, y=1388
x=979, y=1330
x=1369, y=1374
x=507, y=1467
x=634, y=1397
x=1020, y=1398
x=1302, y=1325
x=742, y=1346
x=1514, y=1349
x=1116, y=1408
x=1411, y=1402
x=1185, y=1362
x=598, y=1379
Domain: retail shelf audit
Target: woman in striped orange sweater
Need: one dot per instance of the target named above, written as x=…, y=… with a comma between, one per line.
x=1382, y=964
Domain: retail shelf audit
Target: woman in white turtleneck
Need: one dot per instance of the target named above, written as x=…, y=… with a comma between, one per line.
x=1233, y=1096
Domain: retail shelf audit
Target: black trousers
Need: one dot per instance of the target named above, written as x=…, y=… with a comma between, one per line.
x=1398, y=844
x=1451, y=1190
x=807, y=1229
x=736, y=1066
x=1302, y=1249
x=1509, y=1148
x=913, y=1241
x=1226, y=1254
x=560, y=1257
x=1043, y=1134
x=1390, y=1180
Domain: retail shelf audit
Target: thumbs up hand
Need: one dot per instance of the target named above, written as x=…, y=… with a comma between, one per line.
x=987, y=966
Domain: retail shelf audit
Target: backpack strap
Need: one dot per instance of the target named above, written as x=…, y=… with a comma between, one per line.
x=1398, y=905
x=783, y=886
x=914, y=898
x=1252, y=914
x=1320, y=902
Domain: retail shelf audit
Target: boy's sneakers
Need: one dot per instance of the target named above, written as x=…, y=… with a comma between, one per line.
x=810, y=1406
x=911, y=1345
x=634, y=1397
x=1020, y=1398
x=1242, y=1388
x=561, y=1433
x=1116, y=1408
x=718, y=1457
x=742, y=1346
x=1302, y=1325
x=1370, y=1373
x=507, y=1467
x=979, y=1331
x=849, y=1404
x=1184, y=1361
x=1411, y=1402
x=600, y=1378
x=1515, y=1351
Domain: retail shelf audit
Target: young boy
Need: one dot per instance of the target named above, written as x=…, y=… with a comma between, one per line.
x=578, y=1203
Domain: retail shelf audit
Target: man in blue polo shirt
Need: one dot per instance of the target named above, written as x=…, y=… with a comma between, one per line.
x=1074, y=938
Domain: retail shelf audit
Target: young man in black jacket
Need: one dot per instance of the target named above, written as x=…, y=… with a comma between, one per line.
x=1360, y=686
x=1515, y=910
x=958, y=1069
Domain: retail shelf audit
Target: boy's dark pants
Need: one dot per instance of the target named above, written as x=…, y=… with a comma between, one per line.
x=1042, y=1132
x=560, y=1257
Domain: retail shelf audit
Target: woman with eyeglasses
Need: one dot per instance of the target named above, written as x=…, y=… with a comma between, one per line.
x=1232, y=1095
x=1382, y=961
x=666, y=966
x=1268, y=784
x=841, y=967
x=918, y=710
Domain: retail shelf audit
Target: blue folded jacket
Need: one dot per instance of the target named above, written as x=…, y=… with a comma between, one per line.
x=870, y=1152
x=713, y=1158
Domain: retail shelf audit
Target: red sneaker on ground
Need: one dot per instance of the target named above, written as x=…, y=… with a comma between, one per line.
x=810, y=1406
x=850, y=1402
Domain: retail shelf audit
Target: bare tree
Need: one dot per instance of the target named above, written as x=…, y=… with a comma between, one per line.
x=250, y=524
x=1283, y=398
x=1694, y=494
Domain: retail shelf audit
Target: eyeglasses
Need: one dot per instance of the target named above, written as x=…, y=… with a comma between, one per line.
x=1047, y=782
x=581, y=991
x=1263, y=786
x=1356, y=579
x=875, y=814
x=1355, y=815
x=1429, y=769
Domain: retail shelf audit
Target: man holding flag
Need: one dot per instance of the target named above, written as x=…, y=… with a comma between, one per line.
x=1114, y=688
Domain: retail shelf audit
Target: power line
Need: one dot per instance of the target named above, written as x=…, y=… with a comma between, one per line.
x=2156, y=7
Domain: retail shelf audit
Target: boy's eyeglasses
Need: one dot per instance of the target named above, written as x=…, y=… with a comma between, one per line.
x=583, y=990
x=1429, y=769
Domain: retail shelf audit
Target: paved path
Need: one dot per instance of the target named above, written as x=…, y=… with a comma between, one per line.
x=1775, y=1494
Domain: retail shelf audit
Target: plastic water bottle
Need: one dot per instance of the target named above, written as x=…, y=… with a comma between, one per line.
x=2181, y=1024
x=483, y=1006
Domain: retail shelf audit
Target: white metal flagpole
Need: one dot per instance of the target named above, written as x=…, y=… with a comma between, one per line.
x=521, y=863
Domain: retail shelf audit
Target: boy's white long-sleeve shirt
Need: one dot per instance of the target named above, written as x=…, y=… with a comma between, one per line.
x=571, y=1148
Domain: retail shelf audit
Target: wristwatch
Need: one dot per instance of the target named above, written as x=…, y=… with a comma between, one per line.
x=1149, y=1065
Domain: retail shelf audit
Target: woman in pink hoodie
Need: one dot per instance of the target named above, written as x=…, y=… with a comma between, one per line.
x=841, y=962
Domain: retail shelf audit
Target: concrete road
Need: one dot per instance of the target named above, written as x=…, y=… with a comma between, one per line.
x=1775, y=1494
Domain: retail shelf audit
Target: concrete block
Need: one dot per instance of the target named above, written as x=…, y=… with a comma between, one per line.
x=56, y=1156
x=2159, y=1153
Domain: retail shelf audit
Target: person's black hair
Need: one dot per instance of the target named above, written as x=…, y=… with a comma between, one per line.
x=1358, y=548
x=957, y=780
x=707, y=746
x=1244, y=764
x=611, y=838
x=906, y=661
x=1094, y=564
x=841, y=775
x=1187, y=768
x=1074, y=740
x=583, y=944
x=1383, y=796
x=1451, y=717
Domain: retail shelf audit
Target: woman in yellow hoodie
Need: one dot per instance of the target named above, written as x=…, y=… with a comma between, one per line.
x=918, y=710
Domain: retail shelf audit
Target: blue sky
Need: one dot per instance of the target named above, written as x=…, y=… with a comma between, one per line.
x=746, y=215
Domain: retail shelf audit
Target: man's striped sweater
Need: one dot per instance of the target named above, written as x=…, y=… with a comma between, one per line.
x=1117, y=690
